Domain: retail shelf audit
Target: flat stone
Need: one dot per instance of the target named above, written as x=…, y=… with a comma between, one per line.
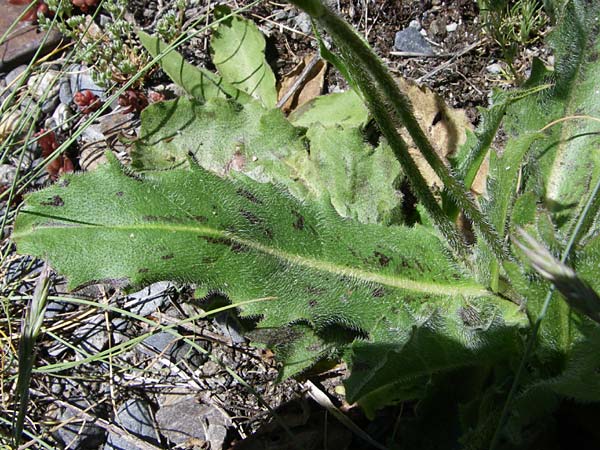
x=24, y=39
x=410, y=40
x=135, y=416
x=92, y=335
x=151, y=298
x=160, y=343
x=81, y=80
x=182, y=419
x=78, y=433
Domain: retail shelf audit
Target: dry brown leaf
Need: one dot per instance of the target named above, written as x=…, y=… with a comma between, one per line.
x=445, y=127
x=312, y=85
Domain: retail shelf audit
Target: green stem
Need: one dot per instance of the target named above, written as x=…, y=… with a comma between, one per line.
x=377, y=85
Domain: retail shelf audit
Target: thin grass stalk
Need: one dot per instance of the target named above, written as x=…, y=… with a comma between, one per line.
x=30, y=330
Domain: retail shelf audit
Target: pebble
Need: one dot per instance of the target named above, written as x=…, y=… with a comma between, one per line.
x=78, y=434
x=54, y=308
x=119, y=327
x=136, y=417
x=9, y=122
x=44, y=85
x=24, y=40
x=50, y=105
x=92, y=334
x=13, y=75
x=451, y=27
x=7, y=174
x=185, y=352
x=182, y=418
x=494, y=68
x=80, y=80
x=149, y=299
x=61, y=116
x=64, y=92
x=160, y=343
x=303, y=23
x=410, y=40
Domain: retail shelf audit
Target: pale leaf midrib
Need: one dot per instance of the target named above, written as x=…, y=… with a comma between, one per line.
x=447, y=290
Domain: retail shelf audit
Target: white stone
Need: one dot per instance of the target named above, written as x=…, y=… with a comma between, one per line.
x=451, y=27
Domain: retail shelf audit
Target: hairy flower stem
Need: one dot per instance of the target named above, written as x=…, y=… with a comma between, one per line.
x=378, y=86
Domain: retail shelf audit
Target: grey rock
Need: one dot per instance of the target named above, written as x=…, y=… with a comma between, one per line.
x=149, y=299
x=193, y=357
x=64, y=92
x=410, y=40
x=78, y=433
x=181, y=418
x=13, y=75
x=50, y=105
x=44, y=85
x=92, y=133
x=7, y=173
x=159, y=343
x=303, y=23
x=451, y=27
x=136, y=417
x=54, y=308
x=494, y=68
x=81, y=80
x=92, y=335
x=415, y=24
x=280, y=14
x=61, y=116
x=119, y=328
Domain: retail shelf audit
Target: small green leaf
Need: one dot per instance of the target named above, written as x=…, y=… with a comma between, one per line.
x=225, y=137
x=198, y=82
x=358, y=178
x=238, y=51
x=339, y=109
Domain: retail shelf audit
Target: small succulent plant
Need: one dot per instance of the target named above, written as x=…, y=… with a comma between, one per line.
x=87, y=101
x=48, y=144
x=133, y=101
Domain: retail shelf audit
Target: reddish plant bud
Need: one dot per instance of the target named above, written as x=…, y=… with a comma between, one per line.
x=47, y=142
x=132, y=101
x=85, y=5
x=87, y=101
x=156, y=97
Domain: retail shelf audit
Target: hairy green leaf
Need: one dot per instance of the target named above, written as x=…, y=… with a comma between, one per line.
x=225, y=137
x=198, y=82
x=567, y=162
x=238, y=52
x=358, y=178
x=338, y=109
x=411, y=308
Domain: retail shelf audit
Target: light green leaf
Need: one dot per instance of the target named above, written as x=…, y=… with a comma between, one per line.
x=198, y=82
x=226, y=137
x=339, y=109
x=238, y=52
x=358, y=178
x=248, y=240
x=567, y=162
